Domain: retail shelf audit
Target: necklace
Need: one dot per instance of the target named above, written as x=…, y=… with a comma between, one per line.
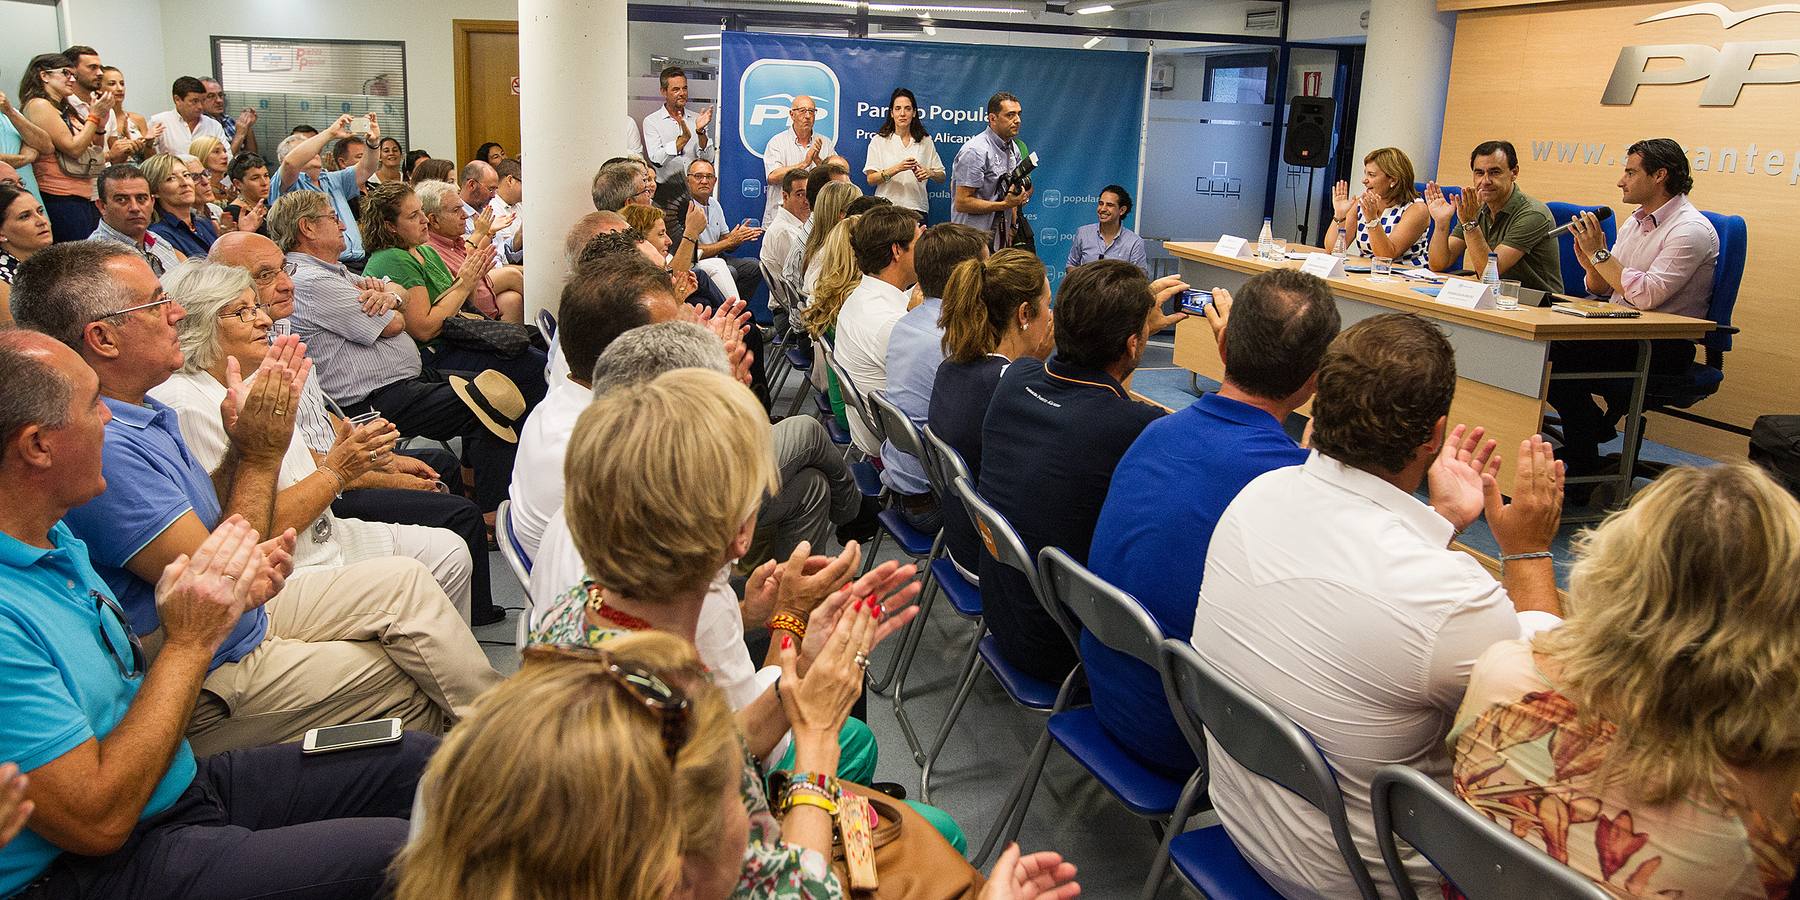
x=624, y=620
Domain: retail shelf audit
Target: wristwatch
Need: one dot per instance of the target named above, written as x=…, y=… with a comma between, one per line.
x=1601, y=255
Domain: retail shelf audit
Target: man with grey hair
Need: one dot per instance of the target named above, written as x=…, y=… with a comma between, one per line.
x=356, y=326
x=479, y=185
x=621, y=182
x=598, y=222
x=334, y=645
x=120, y=798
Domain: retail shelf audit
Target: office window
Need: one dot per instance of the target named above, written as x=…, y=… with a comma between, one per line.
x=311, y=82
x=1239, y=77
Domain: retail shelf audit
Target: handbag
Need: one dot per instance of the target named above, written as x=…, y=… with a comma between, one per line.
x=913, y=861
x=90, y=162
x=505, y=339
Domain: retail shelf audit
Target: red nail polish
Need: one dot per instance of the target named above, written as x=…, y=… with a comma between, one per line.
x=875, y=611
x=787, y=642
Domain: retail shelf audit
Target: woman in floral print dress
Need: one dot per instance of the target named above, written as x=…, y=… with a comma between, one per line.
x=1651, y=742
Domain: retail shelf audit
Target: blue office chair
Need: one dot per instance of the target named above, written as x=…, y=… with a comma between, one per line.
x=787, y=351
x=1482, y=859
x=1270, y=745
x=906, y=439
x=1574, y=277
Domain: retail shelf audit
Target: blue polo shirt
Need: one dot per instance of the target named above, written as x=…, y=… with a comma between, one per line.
x=1052, y=436
x=1167, y=495
x=914, y=352
x=151, y=480
x=343, y=189
x=62, y=684
x=194, y=241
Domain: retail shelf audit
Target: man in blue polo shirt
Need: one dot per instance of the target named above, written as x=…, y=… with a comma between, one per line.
x=1173, y=484
x=122, y=807
x=1053, y=433
x=301, y=169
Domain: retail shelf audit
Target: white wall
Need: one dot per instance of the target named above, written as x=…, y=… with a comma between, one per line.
x=129, y=36
x=186, y=26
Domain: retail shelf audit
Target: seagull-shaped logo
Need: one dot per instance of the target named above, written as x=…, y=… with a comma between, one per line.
x=1728, y=17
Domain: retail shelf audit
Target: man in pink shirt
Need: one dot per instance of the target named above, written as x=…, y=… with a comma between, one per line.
x=1663, y=260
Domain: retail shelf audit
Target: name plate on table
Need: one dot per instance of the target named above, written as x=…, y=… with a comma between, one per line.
x=1228, y=245
x=1323, y=265
x=1467, y=294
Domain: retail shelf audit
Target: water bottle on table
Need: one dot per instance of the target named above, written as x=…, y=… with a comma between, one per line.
x=1491, y=274
x=1265, y=242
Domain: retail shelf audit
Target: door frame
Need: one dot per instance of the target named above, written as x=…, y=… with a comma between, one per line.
x=460, y=29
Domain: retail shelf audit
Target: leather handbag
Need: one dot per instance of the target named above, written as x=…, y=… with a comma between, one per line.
x=506, y=339
x=89, y=162
x=912, y=860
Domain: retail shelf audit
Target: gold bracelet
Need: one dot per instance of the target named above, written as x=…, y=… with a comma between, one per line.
x=788, y=622
x=813, y=800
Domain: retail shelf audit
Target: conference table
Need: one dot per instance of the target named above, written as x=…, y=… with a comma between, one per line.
x=1502, y=356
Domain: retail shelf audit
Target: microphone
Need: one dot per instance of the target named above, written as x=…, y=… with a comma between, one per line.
x=1603, y=213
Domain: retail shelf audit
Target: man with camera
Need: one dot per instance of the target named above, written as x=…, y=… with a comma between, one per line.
x=984, y=198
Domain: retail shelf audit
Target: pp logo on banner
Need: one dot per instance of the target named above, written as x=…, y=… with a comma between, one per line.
x=769, y=87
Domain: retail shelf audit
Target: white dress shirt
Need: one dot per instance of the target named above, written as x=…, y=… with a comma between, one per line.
x=177, y=135
x=863, y=328
x=634, y=138
x=904, y=189
x=784, y=150
x=537, y=482
x=1334, y=597
x=660, y=133
x=720, y=635
x=779, y=239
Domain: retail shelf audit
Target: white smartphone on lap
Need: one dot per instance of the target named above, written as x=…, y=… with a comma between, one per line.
x=346, y=737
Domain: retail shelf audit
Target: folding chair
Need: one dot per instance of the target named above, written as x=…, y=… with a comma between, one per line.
x=1209, y=705
x=1481, y=858
x=516, y=558
x=1003, y=543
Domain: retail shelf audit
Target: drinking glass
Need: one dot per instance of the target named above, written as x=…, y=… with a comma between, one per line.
x=1381, y=268
x=1280, y=252
x=1508, y=296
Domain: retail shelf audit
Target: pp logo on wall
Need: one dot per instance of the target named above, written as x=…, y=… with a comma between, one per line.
x=768, y=88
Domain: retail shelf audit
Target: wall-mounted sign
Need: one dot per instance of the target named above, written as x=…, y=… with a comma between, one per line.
x=1726, y=68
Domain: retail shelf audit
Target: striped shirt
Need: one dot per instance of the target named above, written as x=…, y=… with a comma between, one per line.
x=350, y=355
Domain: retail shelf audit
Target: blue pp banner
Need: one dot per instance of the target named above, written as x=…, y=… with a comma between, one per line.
x=1082, y=114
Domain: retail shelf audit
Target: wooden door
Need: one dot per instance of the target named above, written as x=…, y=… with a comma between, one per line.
x=487, y=79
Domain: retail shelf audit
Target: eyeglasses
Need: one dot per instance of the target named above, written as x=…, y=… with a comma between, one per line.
x=246, y=314
x=267, y=276
x=804, y=111
x=161, y=298
x=136, y=667
x=703, y=177
x=668, y=704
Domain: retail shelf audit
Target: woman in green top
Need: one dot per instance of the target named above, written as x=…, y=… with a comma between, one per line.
x=396, y=234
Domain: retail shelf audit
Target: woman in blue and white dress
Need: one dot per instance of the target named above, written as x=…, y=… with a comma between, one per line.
x=1389, y=218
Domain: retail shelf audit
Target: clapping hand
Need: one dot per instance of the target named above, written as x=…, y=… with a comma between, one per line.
x=1528, y=524
x=252, y=218
x=361, y=449
x=259, y=414
x=484, y=224
x=247, y=118
x=886, y=590
x=812, y=152
x=199, y=598
x=1372, y=205
x=1468, y=206
x=278, y=558
x=14, y=808
x=1038, y=876
x=1340, y=199
x=704, y=119
x=1439, y=206
x=818, y=699
x=476, y=265
x=1463, y=466
x=1590, y=238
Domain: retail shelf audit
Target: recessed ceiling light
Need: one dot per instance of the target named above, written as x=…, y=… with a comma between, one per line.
x=1093, y=42
x=702, y=47
x=703, y=36
x=1090, y=10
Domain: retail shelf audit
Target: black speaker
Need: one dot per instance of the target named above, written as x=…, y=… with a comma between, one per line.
x=1309, y=132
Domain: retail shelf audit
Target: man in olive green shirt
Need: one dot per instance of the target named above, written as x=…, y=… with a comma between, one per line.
x=1496, y=217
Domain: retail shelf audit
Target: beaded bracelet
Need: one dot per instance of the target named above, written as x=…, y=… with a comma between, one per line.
x=788, y=622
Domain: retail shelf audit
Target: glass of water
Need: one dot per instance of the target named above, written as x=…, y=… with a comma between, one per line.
x=1508, y=295
x=1279, y=254
x=1381, y=268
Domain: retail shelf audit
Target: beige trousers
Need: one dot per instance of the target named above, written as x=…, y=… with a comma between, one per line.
x=371, y=640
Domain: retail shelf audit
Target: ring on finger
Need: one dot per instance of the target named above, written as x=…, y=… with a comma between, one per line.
x=861, y=659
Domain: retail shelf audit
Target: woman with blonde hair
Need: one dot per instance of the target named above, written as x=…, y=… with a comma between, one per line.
x=995, y=310
x=1389, y=218
x=837, y=275
x=215, y=159
x=834, y=199
x=1650, y=742
x=630, y=734
x=178, y=216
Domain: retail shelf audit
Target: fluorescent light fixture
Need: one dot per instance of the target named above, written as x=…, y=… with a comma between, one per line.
x=1090, y=10
x=921, y=7
x=704, y=36
x=701, y=48
x=1093, y=42
x=931, y=30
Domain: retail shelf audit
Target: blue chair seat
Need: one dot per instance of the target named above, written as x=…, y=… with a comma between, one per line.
x=822, y=402
x=964, y=597
x=1147, y=793
x=868, y=481
x=1024, y=689
x=916, y=543
x=798, y=358
x=839, y=434
x=1208, y=859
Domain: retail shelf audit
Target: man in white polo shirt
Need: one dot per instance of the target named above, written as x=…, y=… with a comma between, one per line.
x=1332, y=593
x=796, y=148
x=883, y=242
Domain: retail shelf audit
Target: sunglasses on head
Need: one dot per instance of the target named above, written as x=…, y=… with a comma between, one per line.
x=668, y=704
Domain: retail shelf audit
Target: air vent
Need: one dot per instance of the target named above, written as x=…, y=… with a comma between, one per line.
x=1263, y=20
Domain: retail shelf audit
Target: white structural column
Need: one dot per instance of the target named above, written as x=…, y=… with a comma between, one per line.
x=1405, y=73
x=572, y=100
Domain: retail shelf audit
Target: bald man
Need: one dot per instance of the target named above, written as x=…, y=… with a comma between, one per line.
x=796, y=148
